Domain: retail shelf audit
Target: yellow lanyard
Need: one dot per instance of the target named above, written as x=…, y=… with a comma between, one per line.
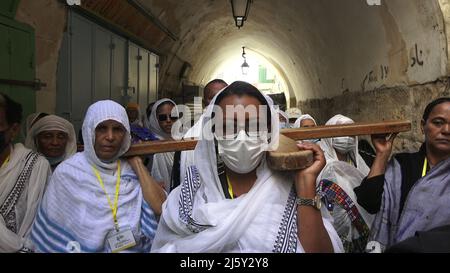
x=230, y=188
x=424, y=170
x=116, y=198
x=5, y=162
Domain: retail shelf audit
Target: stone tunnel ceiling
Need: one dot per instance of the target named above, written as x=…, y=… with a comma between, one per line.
x=322, y=47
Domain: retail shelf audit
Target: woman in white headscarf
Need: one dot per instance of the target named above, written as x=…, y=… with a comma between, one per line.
x=230, y=201
x=306, y=121
x=53, y=137
x=344, y=171
x=95, y=201
x=163, y=116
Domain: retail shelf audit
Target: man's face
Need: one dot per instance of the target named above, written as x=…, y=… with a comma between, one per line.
x=211, y=90
x=52, y=143
x=437, y=128
x=109, y=137
x=10, y=130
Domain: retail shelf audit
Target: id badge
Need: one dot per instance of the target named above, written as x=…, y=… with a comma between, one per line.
x=121, y=240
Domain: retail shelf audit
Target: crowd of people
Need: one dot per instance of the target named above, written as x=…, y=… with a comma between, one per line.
x=222, y=196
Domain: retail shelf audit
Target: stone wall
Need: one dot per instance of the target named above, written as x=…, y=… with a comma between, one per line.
x=403, y=102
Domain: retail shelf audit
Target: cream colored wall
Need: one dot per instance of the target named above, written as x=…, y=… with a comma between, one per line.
x=48, y=18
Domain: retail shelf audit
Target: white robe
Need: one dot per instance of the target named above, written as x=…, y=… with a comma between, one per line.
x=28, y=202
x=347, y=177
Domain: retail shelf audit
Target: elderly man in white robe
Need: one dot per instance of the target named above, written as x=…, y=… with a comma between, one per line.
x=96, y=201
x=53, y=137
x=23, y=177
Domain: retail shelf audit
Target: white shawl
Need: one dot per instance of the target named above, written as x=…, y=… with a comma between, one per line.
x=162, y=162
x=28, y=201
x=75, y=210
x=198, y=218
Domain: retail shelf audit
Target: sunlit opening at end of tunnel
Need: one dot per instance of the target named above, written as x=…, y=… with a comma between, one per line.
x=260, y=73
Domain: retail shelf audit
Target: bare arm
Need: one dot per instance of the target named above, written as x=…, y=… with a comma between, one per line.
x=311, y=230
x=383, y=149
x=152, y=191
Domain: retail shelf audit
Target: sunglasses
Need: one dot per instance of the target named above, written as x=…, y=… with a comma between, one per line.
x=164, y=117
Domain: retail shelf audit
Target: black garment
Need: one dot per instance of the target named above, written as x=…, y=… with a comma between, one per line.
x=432, y=241
x=370, y=192
x=175, y=175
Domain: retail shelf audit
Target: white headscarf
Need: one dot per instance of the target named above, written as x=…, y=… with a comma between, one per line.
x=198, y=217
x=154, y=123
x=52, y=123
x=96, y=114
x=31, y=119
x=285, y=116
x=298, y=122
x=330, y=153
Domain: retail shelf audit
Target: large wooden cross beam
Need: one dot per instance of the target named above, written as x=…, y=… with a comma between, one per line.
x=356, y=129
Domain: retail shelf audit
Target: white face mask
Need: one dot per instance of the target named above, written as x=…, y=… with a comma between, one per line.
x=344, y=144
x=243, y=154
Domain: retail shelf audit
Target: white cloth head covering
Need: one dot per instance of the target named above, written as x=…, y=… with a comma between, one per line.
x=250, y=223
x=285, y=116
x=31, y=119
x=52, y=123
x=154, y=123
x=298, y=122
x=330, y=153
x=293, y=112
x=96, y=114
